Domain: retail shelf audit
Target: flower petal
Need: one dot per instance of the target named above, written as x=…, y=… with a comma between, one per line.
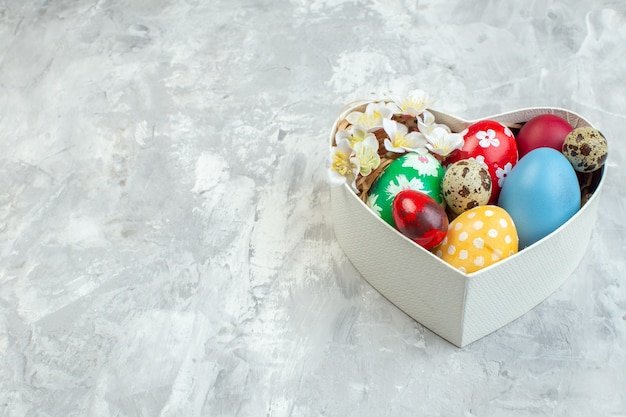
x=390, y=127
x=390, y=148
x=415, y=141
x=353, y=118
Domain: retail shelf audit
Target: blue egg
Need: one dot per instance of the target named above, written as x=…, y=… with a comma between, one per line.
x=540, y=193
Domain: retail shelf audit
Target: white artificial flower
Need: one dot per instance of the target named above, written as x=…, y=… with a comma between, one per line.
x=343, y=134
x=400, y=140
x=372, y=118
x=442, y=142
x=366, y=153
x=414, y=103
x=354, y=135
x=344, y=165
x=426, y=123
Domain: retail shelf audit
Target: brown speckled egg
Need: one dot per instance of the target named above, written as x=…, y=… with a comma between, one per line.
x=586, y=149
x=466, y=184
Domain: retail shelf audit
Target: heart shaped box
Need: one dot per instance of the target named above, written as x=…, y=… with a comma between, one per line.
x=460, y=307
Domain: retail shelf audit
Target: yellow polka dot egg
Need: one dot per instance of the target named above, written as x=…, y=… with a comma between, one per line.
x=478, y=238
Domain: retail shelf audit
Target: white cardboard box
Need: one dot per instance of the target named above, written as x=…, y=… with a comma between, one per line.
x=460, y=307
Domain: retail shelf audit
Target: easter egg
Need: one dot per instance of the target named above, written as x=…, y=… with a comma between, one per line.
x=466, y=184
x=492, y=144
x=540, y=193
x=419, y=171
x=420, y=218
x=586, y=149
x=545, y=130
x=478, y=238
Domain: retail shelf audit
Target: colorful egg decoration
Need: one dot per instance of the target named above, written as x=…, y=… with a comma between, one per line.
x=543, y=131
x=492, y=144
x=466, y=184
x=420, y=218
x=540, y=193
x=586, y=149
x=419, y=171
x=478, y=238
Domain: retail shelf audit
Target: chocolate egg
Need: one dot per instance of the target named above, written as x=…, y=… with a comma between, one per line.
x=418, y=171
x=420, y=218
x=466, y=184
x=478, y=238
x=586, y=149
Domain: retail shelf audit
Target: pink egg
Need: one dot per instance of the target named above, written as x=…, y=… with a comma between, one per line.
x=546, y=130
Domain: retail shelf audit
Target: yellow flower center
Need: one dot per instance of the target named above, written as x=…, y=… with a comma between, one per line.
x=356, y=139
x=413, y=103
x=369, y=119
x=400, y=140
x=341, y=163
x=368, y=158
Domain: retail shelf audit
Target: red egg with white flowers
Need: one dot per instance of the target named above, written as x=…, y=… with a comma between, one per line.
x=492, y=144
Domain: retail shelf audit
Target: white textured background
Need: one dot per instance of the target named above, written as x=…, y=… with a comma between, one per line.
x=165, y=241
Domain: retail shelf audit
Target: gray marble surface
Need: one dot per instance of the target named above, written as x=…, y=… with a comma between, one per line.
x=166, y=245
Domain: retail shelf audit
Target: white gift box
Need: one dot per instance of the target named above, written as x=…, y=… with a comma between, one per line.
x=460, y=307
